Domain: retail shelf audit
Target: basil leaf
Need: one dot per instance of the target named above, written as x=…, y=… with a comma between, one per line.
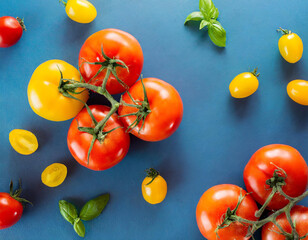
x=68, y=211
x=203, y=24
x=94, y=207
x=208, y=9
x=194, y=16
x=79, y=227
x=217, y=33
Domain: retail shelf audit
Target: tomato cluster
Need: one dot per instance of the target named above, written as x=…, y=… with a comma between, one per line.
x=275, y=176
x=110, y=62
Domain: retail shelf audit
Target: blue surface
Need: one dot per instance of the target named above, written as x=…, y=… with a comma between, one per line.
x=214, y=142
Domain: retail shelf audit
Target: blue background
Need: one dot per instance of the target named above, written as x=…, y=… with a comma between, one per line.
x=214, y=142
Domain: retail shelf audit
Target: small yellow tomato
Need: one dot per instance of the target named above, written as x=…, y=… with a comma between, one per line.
x=244, y=84
x=54, y=175
x=290, y=46
x=154, y=187
x=81, y=11
x=44, y=96
x=23, y=141
x=298, y=91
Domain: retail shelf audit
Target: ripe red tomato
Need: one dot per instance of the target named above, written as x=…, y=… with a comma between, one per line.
x=261, y=167
x=165, y=105
x=299, y=215
x=116, y=44
x=213, y=206
x=103, y=155
x=10, y=210
x=11, y=30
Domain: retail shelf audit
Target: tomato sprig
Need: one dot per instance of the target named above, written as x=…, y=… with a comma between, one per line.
x=275, y=183
x=68, y=87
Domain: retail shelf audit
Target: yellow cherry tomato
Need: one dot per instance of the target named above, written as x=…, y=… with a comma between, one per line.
x=298, y=91
x=290, y=46
x=44, y=96
x=54, y=175
x=23, y=141
x=154, y=187
x=81, y=11
x=244, y=84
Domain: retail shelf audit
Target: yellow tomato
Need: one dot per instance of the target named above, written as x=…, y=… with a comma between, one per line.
x=290, y=46
x=298, y=91
x=154, y=187
x=244, y=84
x=54, y=175
x=23, y=141
x=81, y=11
x=44, y=96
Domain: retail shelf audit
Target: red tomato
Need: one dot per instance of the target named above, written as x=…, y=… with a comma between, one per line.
x=299, y=215
x=165, y=105
x=213, y=206
x=103, y=155
x=10, y=210
x=116, y=44
x=11, y=30
x=261, y=167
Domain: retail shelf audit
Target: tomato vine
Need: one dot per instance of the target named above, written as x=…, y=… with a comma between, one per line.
x=275, y=183
x=68, y=87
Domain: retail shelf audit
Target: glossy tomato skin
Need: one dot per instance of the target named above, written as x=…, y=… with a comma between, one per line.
x=44, y=96
x=244, y=85
x=291, y=47
x=10, y=210
x=299, y=215
x=116, y=44
x=103, y=155
x=166, y=109
x=10, y=31
x=261, y=167
x=213, y=205
x=154, y=192
x=81, y=11
x=298, y=91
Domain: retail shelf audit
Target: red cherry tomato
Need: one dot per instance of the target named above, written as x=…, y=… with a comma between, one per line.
x=299, y=215
x=11, y=30
x=11, y=207
x=104, y=155
x=166, y=109
x=261, y=167
x=116, y=44
x=213, y=206
x=10, y=210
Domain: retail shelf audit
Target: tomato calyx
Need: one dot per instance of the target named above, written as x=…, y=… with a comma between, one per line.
x=284, y=31
x=255, y=72
x=151, y=173
x=22, y=23
x=110, y=64
x=275, y=183
x=230, y=216
x=143, y=109
x=16, y=194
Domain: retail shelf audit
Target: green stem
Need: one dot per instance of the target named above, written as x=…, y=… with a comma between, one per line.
x=258, y=224
x=284, y=31
x=268, y=200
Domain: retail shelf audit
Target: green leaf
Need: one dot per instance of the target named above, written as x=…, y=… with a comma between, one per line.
x=208, y=9
x=68, y=211
x=94, y=207
x=194, y=16
x=79, y=227
x=203, y=24
x=217, y=33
